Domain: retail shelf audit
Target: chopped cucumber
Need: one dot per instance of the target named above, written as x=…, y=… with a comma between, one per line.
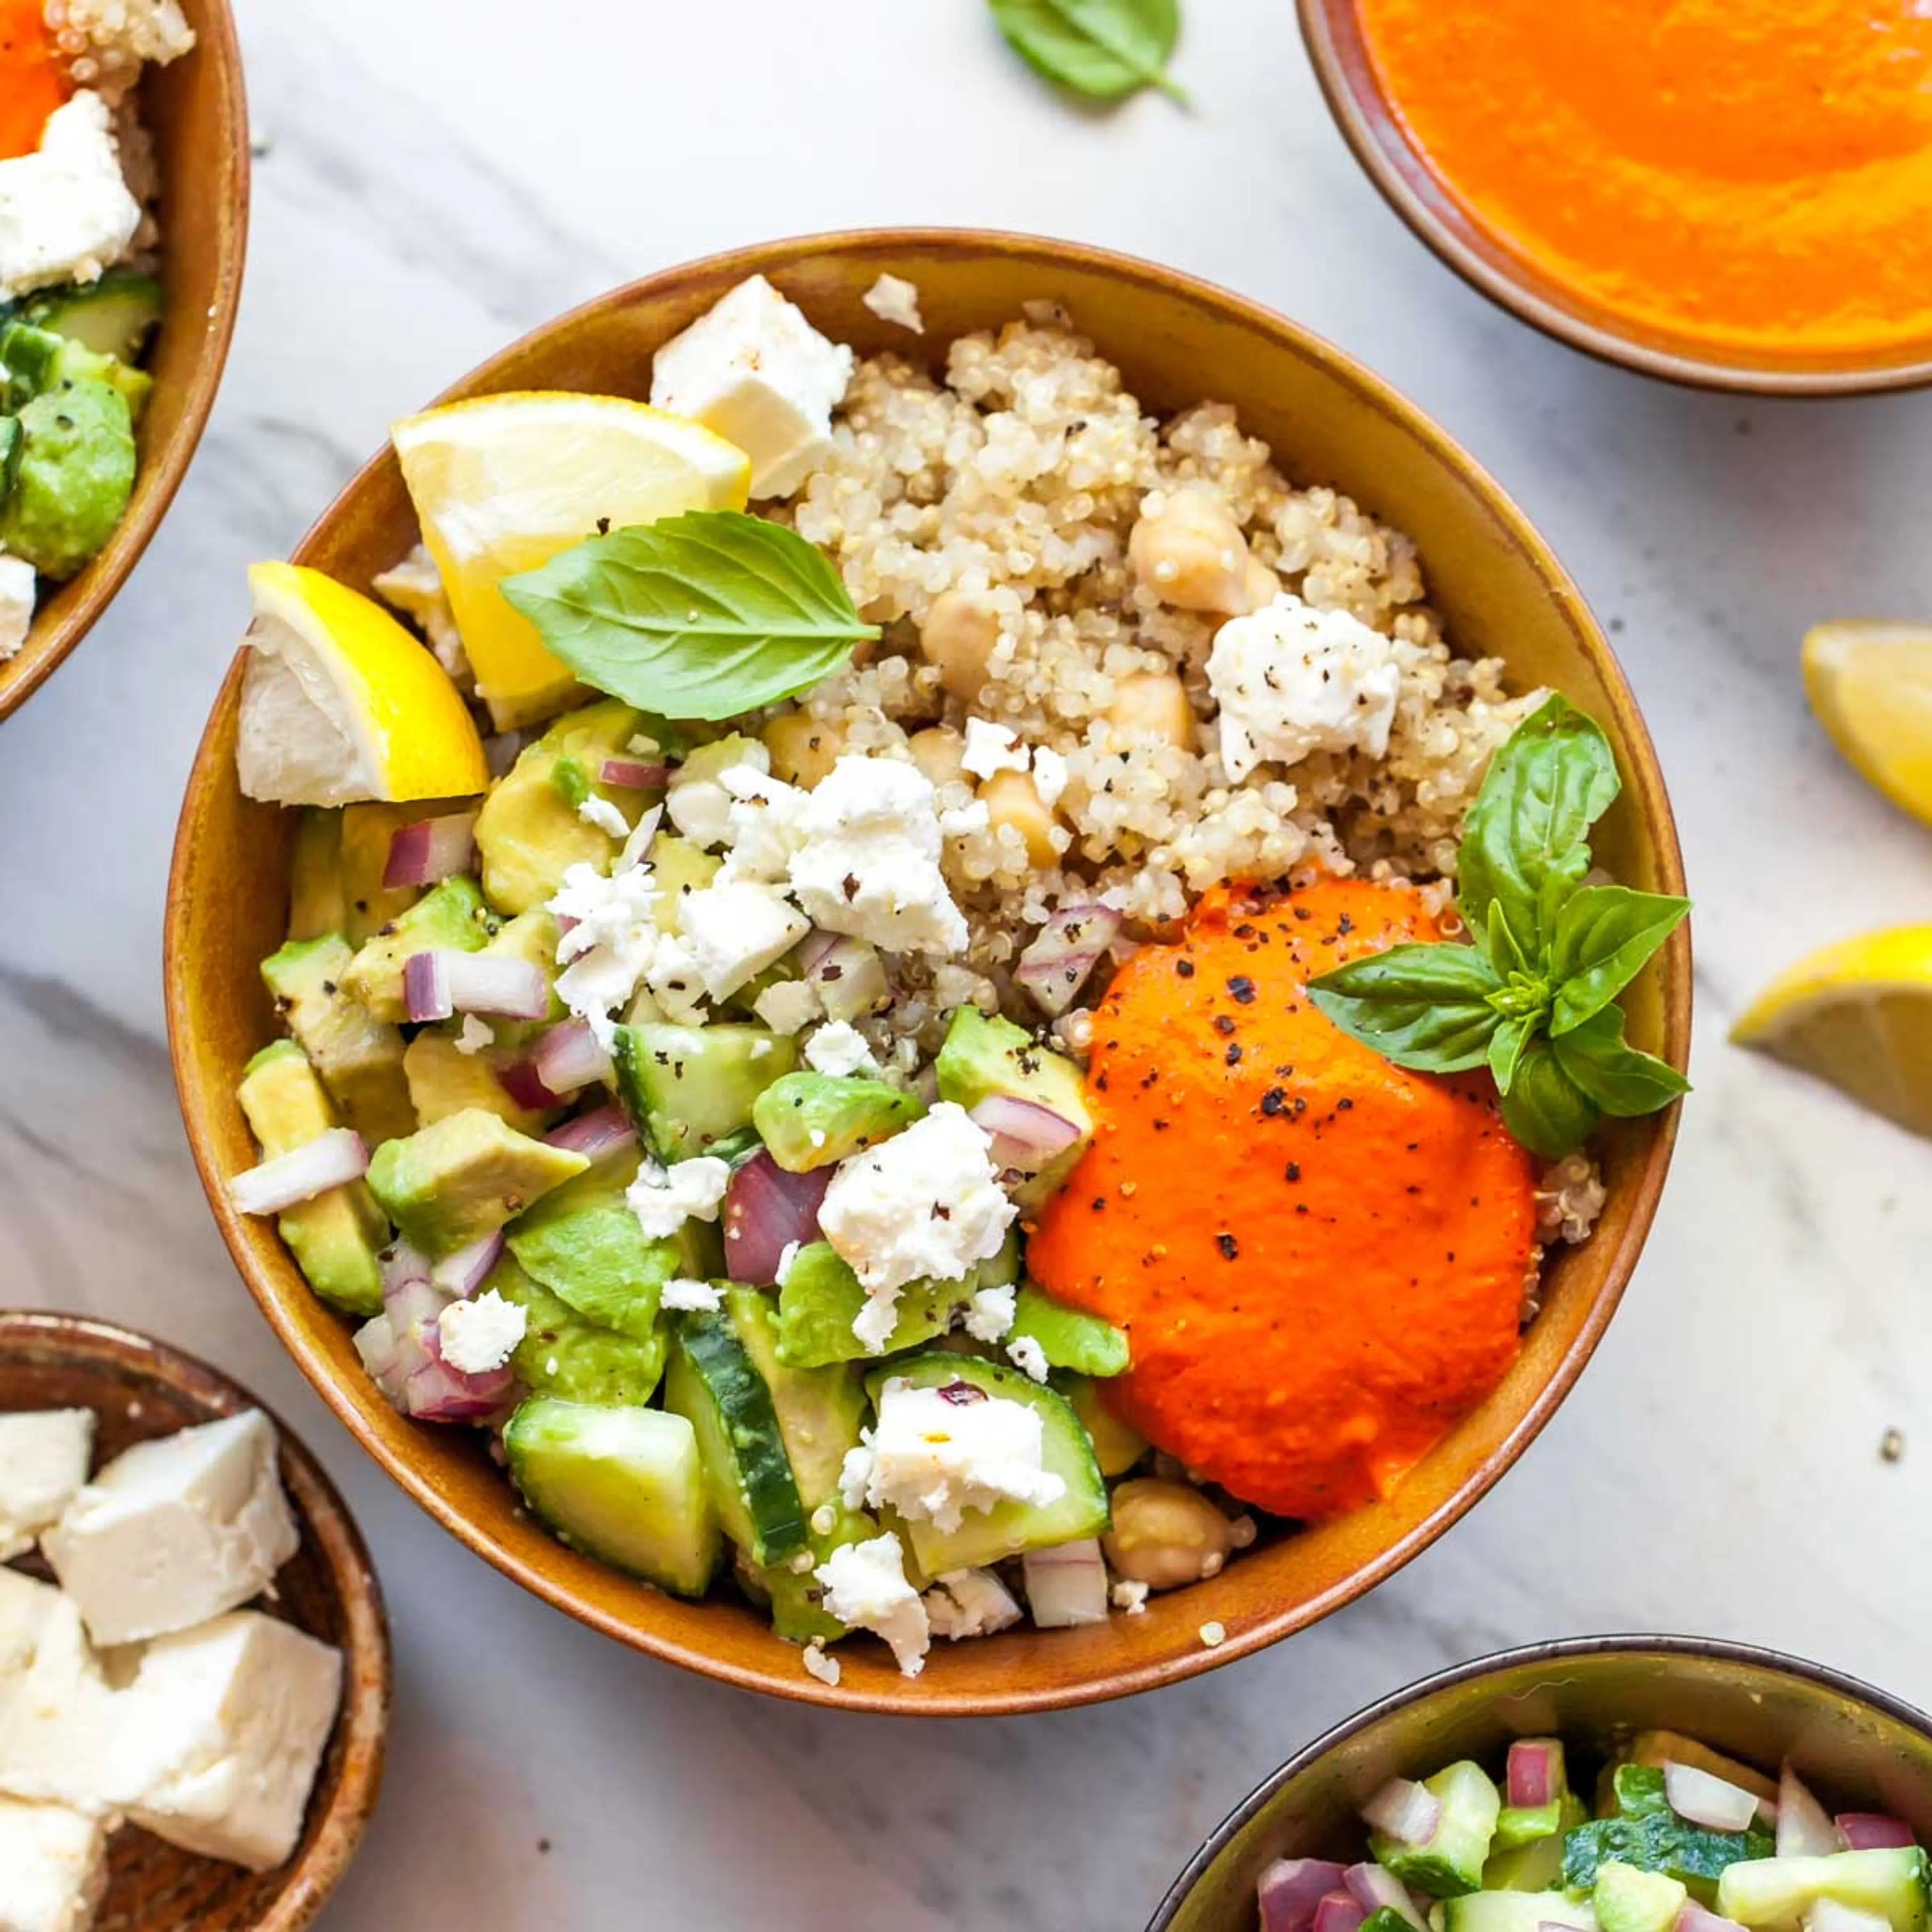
x=820, y=1411
x=1636, y=1791
x=1658, y=1841
x=688, y=1087
x=1515, y=1912
x=1450, y=1861
x=1519, y=1825
x=1535, y=1864
x=113, y=316
x=1629, y=1900
x=1775, y=1894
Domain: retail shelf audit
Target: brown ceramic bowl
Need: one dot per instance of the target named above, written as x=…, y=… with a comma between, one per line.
x=1327, y=418
x=1333, y=31
x=1860, y=1750
x=196, y=111
x=138, y=1388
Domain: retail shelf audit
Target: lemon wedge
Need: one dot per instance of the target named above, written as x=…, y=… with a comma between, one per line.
x=339, y=703
x=502, y=483
x=1871, y=686
x=1859, y=1015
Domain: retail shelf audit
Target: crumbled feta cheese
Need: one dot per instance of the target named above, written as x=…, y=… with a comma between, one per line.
x=937, y=1453
x=53, y=1868
x=926, y=1203
x=17, y=588
x=1130, y=1596
x=992, y=747
x=605, y=816
x=787, y=1255
x=1049, y=774
x=43, y=1457
x=754, y=369
x=611, y=939
x=1291, y=680
x=474, y=1035
x=892, y=298
x=664, y=1198
x=818, y=1664
x=1214, y=1635
x=869, y=864
x=787, y=1006
x=990, y=1313
x=175, y=1531
x=65, y=211
x=735, y=930
x=969, y=1603
x=675, y=982
x=1026, y=1354
x=696, y=801
x=838, y=1048
x=478, y=1336
x=693, y=1296
x=865, y=1585
x=761, y=824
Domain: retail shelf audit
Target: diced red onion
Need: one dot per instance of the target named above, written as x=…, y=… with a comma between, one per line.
x=1873, y=1831
x=1057, y=960
x=813, y=947
x=1535, y=1771
x=630, y=775
x=1804, y=1829
x=402, y=1264
x=1026, y=1136
x=1290, y=1889
x=487, y=982
x=639, y=842
x=1376, y=1888
x=595, y=1135
x=850, y=979
x=462, y=1273
x=523, y=1082
x=1405, y=1811
x=569, y=1055
x=1692, y=1917
x=430, y=850
x=412, y=1305
x=426, y=987
x=766, y=1210
x=1066, y=1585
x=1338, y=1913
x=436, y=1392
x=1713, y=1802
x=335, y=1156
x=376, y=1343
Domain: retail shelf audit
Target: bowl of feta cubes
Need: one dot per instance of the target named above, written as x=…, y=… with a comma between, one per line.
x=1608, y=1784
x=778, y=961
x=194, y=1665
x=124, y=190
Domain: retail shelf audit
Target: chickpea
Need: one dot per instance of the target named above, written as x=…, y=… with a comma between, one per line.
x=803, y=747
x=938, y=753
x=958, y=635
x=1261, y=586
x=1010, y=798
x=1191, y=554
x=1153, y=702
x=1165, y=1534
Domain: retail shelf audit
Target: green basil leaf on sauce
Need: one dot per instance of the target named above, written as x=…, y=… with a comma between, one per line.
x=1426, y=1007
x=703, y=616
x=1544, y=1108
x=1604, y=935
x=1103, y=49
x=1619, y=1077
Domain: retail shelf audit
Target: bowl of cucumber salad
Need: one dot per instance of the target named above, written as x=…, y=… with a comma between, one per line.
x=1624, y=1784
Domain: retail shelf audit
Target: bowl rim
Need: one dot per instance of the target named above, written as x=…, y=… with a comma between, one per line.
x=1551, y=1651
x=1646, y=784
x=368, y=1696
x=1360, y=123
x=162, y=475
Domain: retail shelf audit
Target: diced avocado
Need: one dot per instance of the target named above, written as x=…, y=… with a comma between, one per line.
x=113, y=316
x=450, y=917
x=337, y=1238
x=715, y=1384
x=77, y=363
x=1658, y=1841
x=564, y=1355
x=1627, y=1899
x=792, y=1594
x=452, y=1183
x=820, y=1411
x=1068, y=1338
x=688, y=1087
x=1515, y=1912
x=810, y=1120
x=317, y=905
x=1117, y=1447
x=529, y=832
x=1450, y=1861
x=985, y=1055
x=1519, y=1824
x=367, y=831
x=445, y=1081
x=74, y=477
x=623, y=1485
x=29, y=357
x=1772, y=1895
x=821, y=1297
x=990, y=1536
x=359, y=1058
x=680, y=865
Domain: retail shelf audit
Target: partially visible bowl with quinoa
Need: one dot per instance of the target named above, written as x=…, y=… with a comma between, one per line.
x=1146, y=665
x=124, y=174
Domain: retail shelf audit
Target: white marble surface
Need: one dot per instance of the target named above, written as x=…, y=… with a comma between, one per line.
x=441, y=174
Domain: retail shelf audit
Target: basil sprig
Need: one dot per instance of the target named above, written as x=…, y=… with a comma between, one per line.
x=1103, y=49
x=1533, y=997
x=703, y=616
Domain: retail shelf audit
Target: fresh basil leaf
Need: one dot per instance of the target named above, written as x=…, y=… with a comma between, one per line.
x=1504, y=948
x=1603, y=937
x=1544, y=1108
x=1525, y=842
x=1424, y=1007
x=1103, y=50
x=1506, y=1045
x=1619, y=1077
x=702, y=616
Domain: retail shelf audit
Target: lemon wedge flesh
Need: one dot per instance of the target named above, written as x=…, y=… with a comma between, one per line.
x=1859, y=1015
x=1871, y=686
x=502, y=483
x=339, y=703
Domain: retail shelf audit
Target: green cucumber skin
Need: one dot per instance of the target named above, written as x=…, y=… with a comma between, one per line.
x=1659, y=1841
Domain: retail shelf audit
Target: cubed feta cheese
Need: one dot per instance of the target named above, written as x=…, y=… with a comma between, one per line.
x=175, y=1531
x=735, y=930
x=17, y=582
x=969, y=1603
x=25, y=1604
x=755, y=370
x=65, y=212
x=761, y=824
x=787, y=1005
x=480, y=1335
x=838, y=1048
x=53, y=1868
x=664, y=1198
x=1291, y=680
x=43, y=1457
x=64, y=1737
x=990, y=1313
x=865, y=1585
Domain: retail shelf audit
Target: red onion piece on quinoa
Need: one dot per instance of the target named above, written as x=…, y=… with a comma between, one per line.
x=1804, y=1829
x=1376, y=1889
x=1405, y=1811
x=462, y=1273
x=1057, y=960
x=595, y=1134
x=430, y=850
x=766, y=1211
x=335, y=1156
x=569, y=1055
x=1700, y=1798
x=1339, y=1912
x=1066, y=1585
x=523, y=1082
x=1873, y=1831
x=1026, y=1136
x=632, y=775
x=1290, y=1889
x=1535, y=1770
x=1692, y=1917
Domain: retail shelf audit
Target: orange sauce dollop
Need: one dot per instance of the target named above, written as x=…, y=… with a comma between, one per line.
x=32, y=84
x=1756, y=175
x=1318, y=1257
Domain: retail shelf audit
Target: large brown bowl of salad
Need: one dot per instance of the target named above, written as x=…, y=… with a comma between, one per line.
x=934, y=971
